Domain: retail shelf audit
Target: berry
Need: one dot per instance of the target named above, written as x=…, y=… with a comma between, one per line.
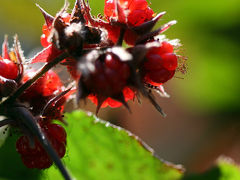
x=161, y=75
x=35, y=156
x=132, y=13
x=57, y=131
x=107, y=84
x=8, y=69
x=110, y=76
x=160, y=65
x=169, y=61
x=164, y=48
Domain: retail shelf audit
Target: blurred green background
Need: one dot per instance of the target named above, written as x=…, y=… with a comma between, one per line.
x=204, y=109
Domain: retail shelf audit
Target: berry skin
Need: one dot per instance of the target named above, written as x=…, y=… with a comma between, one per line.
x=8, y=69
x=110, y=76
x=130, y=12
x=57, y=132
x=107, y=85
x=164, y=48
x=169, y=61
x=35, y=156
x=161, y=75
x=160, y=65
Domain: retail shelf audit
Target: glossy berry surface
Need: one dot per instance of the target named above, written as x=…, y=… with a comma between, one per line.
x=160, y=64
x=138, y=11
x=8, y=69
x=110, y=76
x=132, y=13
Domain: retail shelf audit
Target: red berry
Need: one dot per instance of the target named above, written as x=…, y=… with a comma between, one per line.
x=137, y=17
x=56, y=131
x=161, y=76
x=36, y=156
x=24, y=147
x=165, y=48
x=42, y=161
x=160, y=65
x=8, y=69
x=154, y=62
x=169, y=61
x=110, y=76
x=138, y=5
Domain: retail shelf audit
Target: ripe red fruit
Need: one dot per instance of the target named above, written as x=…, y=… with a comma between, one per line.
x=8, y=69
x=34, y=156
x=130, y=12
x=133, y=12
x=57, y=132
x=110, y=76
x=164, y=48
x=161, y=75
x=160, y=65
x=169, y=61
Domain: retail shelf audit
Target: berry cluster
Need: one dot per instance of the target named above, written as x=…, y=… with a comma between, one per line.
x=45, y=98
x=105, y=72
x=108, y=74
x=33, y=155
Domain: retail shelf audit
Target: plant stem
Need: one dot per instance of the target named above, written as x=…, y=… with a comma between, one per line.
x=6, y=122
x=29, y=120
x=121, y=37
x=41, y=72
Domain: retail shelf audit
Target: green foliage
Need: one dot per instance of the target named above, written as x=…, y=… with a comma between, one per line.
x=96, y=150
x=11, y=166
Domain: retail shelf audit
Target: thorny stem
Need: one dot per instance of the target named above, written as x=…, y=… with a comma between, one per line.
x=121, y=36
x=29, y=120
x=41, y=72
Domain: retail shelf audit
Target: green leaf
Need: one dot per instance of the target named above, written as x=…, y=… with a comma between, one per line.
x=225, y=169
x=11, y=166
x=100, y=150
x=3, y=134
